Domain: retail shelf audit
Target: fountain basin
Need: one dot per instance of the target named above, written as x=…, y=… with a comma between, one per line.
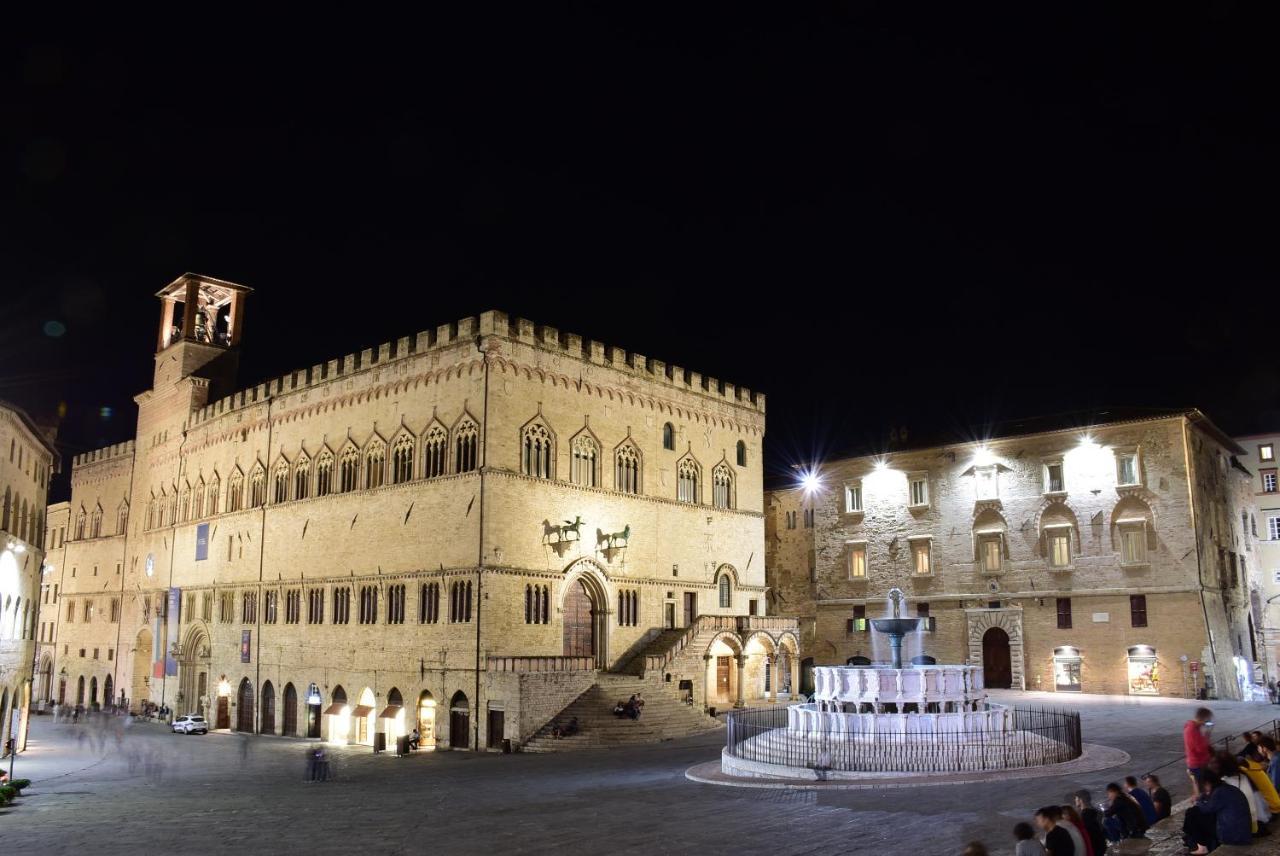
x=928, y=688
x=895, y=626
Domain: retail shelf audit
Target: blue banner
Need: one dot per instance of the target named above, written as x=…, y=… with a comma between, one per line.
x=202, y=542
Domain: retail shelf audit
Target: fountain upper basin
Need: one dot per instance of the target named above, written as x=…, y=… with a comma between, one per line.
x=895, y=626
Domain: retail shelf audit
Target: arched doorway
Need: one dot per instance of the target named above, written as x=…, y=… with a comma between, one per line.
x=459, y=722
x=290, y=711
x=579, y=621
x=362, y=718
x=193, y=667
x=108, y=691
x=80, y=691
x=806, y=677
x=314, y=715
x=93, y=693
x=140, y=690
x=392, y=718
x=46, y=679
x=997, y=667
x=244, y=707
x=268, y=724
x=426, y=720
x=337, y=716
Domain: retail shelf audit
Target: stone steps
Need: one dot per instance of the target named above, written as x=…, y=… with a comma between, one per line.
x=664, y=717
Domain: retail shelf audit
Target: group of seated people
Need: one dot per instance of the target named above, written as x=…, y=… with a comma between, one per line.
x=630, y=708
x=1082, y=829
x=1237, y=796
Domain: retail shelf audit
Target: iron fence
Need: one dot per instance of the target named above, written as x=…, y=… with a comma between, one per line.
x=1032, y=737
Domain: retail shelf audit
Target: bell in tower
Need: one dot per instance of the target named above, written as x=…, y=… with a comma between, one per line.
x=201, y=320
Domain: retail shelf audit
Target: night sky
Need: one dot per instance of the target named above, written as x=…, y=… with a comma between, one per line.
x=937, y=221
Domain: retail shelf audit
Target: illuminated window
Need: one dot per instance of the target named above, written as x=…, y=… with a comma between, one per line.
x=857, y=559
x=1133, y=542
x=1267, y=452
x=1058, y=546
x=918, y=490
x=853, y=497
x=920, y=556
x=1054, y=477
x=991, y=551
x=1126, y=468
x=986, y=480
x=1268, y=481
x=857, y=624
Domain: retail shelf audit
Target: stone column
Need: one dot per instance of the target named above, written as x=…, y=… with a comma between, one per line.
x=706, y=681
x=795, y=675
x=742, y=680
x=774, y=673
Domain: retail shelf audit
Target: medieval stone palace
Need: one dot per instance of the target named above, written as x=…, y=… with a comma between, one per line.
x=467, y=531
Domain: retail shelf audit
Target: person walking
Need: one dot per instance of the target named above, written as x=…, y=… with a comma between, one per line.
x=1057, y=840
x=1092, y=821
x=1195, y=743
x=1159, y=796
x=1075, y=826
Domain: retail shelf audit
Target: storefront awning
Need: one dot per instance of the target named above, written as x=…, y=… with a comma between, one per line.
x=362, y=710
x=336, y=708
x=392, y=711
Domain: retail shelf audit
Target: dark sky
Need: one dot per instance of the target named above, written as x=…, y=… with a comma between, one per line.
x=934, y=220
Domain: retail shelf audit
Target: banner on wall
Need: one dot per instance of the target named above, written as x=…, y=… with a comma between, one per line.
x=157, y=647
x=245, y=637
x=171, y=637
x=202, y=542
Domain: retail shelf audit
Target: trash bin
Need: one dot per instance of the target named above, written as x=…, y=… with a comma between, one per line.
x=402, y=746
x=379, y=742
x=506, y=746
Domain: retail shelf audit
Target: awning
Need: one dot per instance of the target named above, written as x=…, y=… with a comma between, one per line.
x=362, y=710
x=392, y=711
x=336, y=708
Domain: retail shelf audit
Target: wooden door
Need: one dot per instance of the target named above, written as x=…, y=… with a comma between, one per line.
x=690, y=607
x=459, y=729
x=497, y=728
x=670, y=616
x=268, y=724
x=579, y=626
x=224, y=713
x=290, y=711
x=997, y=668
x=723, y=665
x=244, y=707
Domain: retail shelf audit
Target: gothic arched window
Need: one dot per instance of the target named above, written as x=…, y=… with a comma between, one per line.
x=349, y=470
x=235, y=491
x=586, y=455
x=324, y=473
x=375, y=459
x=742, y=454
x=688, y=476
x=280, y=482
x=301, y=478
x=668, y=436
x=626, y=468
x=211, y=496
x=95, y=522
x=465, y=441
x=402, y=459
x=435, y=452
x=258, y=487
x=537, y=449
x=725, y=589
x=722, y=486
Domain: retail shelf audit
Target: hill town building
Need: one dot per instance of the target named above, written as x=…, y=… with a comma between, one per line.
x=463, y=530
x=1109, y=559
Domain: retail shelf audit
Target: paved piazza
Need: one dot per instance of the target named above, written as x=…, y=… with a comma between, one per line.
x=157, y=793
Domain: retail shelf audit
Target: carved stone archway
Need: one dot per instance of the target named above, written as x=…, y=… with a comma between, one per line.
x=1008, y=619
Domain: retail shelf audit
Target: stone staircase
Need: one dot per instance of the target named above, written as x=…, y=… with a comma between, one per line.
x=665, y=716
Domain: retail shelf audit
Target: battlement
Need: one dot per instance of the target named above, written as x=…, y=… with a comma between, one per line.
x=108, y=453
x=468, y=331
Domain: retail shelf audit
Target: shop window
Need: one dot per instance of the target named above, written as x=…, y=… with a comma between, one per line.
x=1064, y=613
x=1144, y=671
x=1066, y=669
x=1138, y=610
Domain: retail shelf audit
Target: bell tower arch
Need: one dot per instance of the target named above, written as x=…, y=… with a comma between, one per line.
x=201, y=322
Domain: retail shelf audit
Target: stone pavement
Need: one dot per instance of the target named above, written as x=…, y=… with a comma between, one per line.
x=157, y=793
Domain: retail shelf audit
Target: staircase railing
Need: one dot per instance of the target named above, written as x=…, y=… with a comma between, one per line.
x=740, y=624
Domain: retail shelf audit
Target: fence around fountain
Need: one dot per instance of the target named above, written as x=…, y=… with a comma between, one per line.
x=799, y=739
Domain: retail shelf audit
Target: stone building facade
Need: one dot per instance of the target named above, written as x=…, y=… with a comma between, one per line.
x=1114, y=559
x=1260, y=459
x=27, y=461
x=383, y=539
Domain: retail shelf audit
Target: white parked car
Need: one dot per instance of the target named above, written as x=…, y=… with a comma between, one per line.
x=191, y=724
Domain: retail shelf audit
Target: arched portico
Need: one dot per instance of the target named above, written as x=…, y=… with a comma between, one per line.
x=193, y=671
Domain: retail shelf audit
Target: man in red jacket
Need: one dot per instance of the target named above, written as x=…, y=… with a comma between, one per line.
x=1195, y=741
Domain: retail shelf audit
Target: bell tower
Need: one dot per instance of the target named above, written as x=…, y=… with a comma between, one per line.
x=201, y=321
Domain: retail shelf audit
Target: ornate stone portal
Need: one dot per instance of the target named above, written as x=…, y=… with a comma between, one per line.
x=1006, y=620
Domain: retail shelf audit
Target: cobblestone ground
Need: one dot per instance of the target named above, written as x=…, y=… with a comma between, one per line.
x=154, y=793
